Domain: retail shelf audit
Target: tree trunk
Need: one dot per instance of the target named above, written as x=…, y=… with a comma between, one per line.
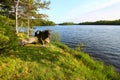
x=28, y=30
x=16, y=20
x=28, y=15
x=16, y=4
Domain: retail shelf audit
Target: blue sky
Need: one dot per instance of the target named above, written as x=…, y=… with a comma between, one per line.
x=83, y=10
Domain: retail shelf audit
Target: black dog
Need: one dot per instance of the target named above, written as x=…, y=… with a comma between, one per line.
x=43, y=36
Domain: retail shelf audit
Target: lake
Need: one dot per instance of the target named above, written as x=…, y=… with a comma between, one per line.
x=102, y=42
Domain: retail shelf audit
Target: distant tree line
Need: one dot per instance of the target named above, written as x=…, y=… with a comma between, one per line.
x=102, y=22
x=37, y=22
x=66, y=23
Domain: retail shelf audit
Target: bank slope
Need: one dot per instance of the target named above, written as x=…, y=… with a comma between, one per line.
x=58, y=62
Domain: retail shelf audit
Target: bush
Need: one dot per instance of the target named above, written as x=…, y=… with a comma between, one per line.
x=3, y=41
x=6, y=21
x=80, y=47
x=55, y=37
x=8, y=38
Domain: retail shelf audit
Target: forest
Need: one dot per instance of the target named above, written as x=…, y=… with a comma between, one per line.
x=102, y=22
x=66, y=23
x=26, y=12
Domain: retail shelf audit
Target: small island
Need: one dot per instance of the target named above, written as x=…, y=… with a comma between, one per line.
x=66, y=23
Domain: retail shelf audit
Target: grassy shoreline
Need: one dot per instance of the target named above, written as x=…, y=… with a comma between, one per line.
x=58, y=62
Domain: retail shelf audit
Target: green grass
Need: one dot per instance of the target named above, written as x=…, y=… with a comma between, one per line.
x=57, y=62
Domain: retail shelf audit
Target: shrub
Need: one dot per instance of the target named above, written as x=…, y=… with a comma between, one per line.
x=6, y=21
x=8, y=38
x=3, y=41
x=80, y=47
x=55, y=37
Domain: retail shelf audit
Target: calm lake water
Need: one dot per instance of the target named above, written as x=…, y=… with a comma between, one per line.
x=101, y=42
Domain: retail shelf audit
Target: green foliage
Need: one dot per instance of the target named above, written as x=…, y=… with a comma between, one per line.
x=56, y=62
x=67, y=23
x=6, y=8
x=55, y=37
x=42, y=22
x=21, y=35
x=3, y=41
x=102, y=22
x=47, y=23
x=36, y=22
x=63, y=46
x=4, y=21
x=7, y=33
x=80, y=47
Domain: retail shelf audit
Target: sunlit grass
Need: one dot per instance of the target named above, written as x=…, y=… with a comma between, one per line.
x=57, y=62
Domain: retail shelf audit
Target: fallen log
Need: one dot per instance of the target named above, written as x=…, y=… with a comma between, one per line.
x=30, y=40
